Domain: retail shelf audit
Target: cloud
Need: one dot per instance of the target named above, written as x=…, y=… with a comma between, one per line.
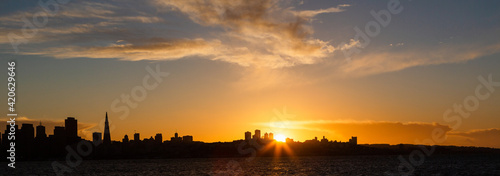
x=83, y=128
x=388, y=60
x=75, y=22
x=312, y=13
x=76, y=11
x=259, y=33
x=397, y=44
x=376, y=132
x=160, y=49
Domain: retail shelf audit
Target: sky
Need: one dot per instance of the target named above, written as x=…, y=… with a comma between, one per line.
x=384, y=71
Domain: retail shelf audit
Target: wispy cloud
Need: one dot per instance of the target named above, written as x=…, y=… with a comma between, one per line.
x=258, y=33
x=312, y=13
x=157, y=50
x=76, y=23
x=391, y=60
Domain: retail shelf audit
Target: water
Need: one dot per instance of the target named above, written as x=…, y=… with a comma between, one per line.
x=339, y=165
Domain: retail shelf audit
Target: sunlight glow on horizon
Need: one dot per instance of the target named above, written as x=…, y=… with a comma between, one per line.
x=280, y=138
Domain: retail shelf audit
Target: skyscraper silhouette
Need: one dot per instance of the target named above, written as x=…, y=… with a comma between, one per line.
x=137, y=137
x=248, y=135
x=107, y=135
x=71, y=127
x=158, y=138
x=27, y=132
x=257, y=134
x=40, y=131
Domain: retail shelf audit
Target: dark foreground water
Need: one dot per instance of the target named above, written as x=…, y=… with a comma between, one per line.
x=339, y=165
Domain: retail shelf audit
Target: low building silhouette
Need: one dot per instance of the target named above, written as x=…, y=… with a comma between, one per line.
x=324, y=140
x=5, y=135
x=353, y=140
x=125, y=139
x=187, y=138
x=176, y=138
x=59, y=132
x=97, y=138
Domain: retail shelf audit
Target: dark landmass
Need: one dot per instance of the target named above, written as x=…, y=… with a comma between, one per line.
x=150, y=149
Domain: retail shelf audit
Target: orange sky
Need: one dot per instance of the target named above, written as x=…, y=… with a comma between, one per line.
x=235, y=66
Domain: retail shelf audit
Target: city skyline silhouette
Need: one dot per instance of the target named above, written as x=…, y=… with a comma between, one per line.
x=36, y=146
x=250, y=87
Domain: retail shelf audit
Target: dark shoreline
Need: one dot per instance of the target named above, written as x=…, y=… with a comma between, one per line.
x=236, y=149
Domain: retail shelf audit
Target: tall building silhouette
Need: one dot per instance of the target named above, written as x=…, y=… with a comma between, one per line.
x=40, y=132
x=257, y=134
x=137, y=137
x=27, y=132
x=70, y=124
x=159, y=138
x=107, y=135
x=271, y=136
x=266, y=136
x=248, y=135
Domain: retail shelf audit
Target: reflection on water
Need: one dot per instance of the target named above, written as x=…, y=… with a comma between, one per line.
x=340, y=165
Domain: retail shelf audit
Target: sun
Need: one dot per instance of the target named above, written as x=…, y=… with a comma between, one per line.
x=280, y=138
